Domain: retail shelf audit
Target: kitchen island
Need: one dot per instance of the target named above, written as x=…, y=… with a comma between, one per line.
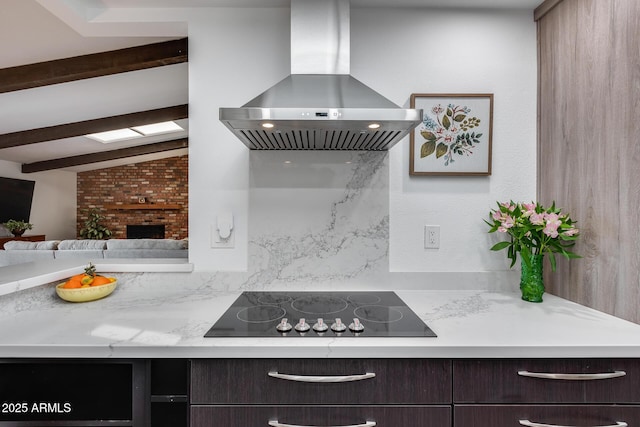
x=488, y=361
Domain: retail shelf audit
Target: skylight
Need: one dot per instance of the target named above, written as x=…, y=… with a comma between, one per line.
x=115, y=135
x=157, y=128
x=135, y=132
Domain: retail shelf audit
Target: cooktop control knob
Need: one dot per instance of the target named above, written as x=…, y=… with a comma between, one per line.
x=320, y=326
x=284, y=325
x=302, y=326
x=356, y=326
x=338, y=326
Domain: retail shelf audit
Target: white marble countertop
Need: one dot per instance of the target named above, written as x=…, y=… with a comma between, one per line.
x=18, y=277
x=167, y=314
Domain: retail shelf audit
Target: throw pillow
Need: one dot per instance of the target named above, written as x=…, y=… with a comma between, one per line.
x=82, y=244
x=22, y=245
x=166, y=244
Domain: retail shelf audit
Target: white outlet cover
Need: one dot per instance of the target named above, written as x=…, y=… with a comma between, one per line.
x=219, y=242
x=431, y=236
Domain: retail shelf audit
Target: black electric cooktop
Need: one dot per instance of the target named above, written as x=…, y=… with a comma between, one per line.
x=319, y=314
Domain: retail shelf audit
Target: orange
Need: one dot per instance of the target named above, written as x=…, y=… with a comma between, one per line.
x=86, y=279
x=77, y=277
x=72, y=284
x=100, y=280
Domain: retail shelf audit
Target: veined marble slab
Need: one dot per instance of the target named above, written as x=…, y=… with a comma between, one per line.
x=317, y=216
x=143, y=320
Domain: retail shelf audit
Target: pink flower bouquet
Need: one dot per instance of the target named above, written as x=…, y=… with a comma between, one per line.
x=533, y=230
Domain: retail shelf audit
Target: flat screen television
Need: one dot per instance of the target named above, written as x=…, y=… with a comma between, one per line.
x=16, y=196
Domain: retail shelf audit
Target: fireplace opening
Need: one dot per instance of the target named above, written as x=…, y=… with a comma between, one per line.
x=145, y=231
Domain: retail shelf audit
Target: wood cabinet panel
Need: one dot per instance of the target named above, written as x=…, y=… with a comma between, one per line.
x=498, y=381
x=259, y=416
x=405, y=381
x=588, y=149
x=559, y=415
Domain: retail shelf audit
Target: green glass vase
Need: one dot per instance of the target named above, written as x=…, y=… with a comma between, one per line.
x=531, y=280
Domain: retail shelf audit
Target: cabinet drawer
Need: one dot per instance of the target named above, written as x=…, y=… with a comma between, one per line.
x=561, y=415
x=260, y=416
x=519, y=381
x=396, y=381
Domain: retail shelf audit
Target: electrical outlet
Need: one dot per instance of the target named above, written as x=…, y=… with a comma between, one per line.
x=219, y=242
x=431, y=236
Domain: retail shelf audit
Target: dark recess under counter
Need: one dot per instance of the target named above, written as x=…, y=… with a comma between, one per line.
x=404, y=392
x=45, y=392
x=169, y=384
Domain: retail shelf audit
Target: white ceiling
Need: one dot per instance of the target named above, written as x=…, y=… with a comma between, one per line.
x=41, y=30
x=518, y=4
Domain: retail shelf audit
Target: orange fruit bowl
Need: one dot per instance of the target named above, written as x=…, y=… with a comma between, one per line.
x=90, y=293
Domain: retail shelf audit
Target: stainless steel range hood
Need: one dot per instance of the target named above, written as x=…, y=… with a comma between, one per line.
x=320, y=106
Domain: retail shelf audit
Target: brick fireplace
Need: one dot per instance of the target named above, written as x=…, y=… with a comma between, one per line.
x=116, y=192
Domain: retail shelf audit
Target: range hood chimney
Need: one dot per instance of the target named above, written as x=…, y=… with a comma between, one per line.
x=320, y=106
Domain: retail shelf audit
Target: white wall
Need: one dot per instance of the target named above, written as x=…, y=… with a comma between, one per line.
x=406, y=51
x=234, y=54
x=53, y=211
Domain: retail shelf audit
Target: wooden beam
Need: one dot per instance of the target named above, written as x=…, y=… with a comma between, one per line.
x=545, y=8
x=144, y=206
x=69, y=130
x=93, y=65
x=104, y=156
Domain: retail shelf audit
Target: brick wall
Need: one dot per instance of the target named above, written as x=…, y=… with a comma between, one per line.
x=162, y=181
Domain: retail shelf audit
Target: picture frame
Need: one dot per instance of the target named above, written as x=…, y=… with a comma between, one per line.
x=455, y=136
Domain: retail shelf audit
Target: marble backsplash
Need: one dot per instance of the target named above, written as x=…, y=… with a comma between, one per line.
x=320, y=220
x=317, y=216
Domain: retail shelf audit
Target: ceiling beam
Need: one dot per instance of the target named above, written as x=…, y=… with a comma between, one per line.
x=93, y=65
x=104, y=156
x=69, y=130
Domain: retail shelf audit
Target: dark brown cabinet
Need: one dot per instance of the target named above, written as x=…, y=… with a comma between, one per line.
x=569, y=392
x=328, y=392
x=549, y=415
x=264, y=416
x=414, y=392
x=264, y=381
x=547, y=381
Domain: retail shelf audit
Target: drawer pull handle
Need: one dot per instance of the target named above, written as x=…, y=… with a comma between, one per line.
x=533, y=424
x=279, y=424
x=322, y=378
x=582, y=377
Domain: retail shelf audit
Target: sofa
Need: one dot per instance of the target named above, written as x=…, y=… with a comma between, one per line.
x=19, y=252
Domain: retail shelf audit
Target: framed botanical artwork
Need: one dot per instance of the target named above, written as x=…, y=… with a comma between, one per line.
x=454, y=137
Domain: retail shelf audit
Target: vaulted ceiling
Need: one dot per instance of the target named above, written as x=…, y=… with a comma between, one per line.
x=56, y=86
